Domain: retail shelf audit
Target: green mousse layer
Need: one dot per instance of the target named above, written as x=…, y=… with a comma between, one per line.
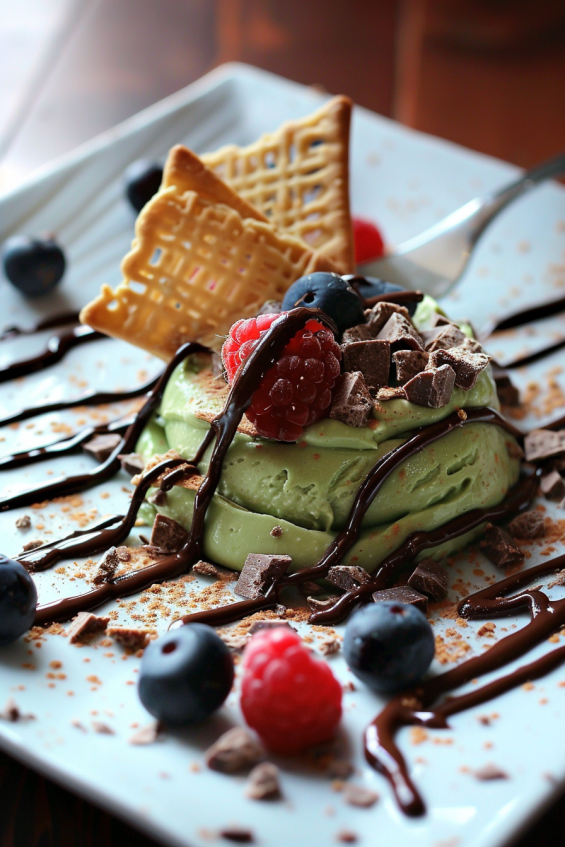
x=307, y=488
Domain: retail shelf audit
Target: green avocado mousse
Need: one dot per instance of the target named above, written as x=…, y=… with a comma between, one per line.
x=294, y=497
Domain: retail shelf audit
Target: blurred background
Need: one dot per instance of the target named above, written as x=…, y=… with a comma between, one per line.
x=488, y=74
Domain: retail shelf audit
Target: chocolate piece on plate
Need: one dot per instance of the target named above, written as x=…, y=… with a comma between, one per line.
x=409, y=363
x=237, y=834
x=467, y=366
x=348, y=576
x=498, y=546
x=378, y=316
x=33, y=545
x=132, y=463
x=358, y=795
x=259, y=572
x=24, y=522
x=361, y=332
x=442, y=337
x=430, y=578
x=542, y=444
x=235, y=750
x=402, y=594
x=507, y=392
x=130, y=637
x=168, y=535
x=351, y=401
x=490, y=772
x=107, y=567
x=263, y=782
x=552, y=486
x=527, y=525
x=206, y=569
x=84, y=625
x=102, y=446
x=400, y=333
x=372, y=358
x=432, y=388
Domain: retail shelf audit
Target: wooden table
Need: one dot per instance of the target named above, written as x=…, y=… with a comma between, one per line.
x=489, y=76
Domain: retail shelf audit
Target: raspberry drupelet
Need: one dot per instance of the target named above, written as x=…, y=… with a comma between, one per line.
x=297, y=390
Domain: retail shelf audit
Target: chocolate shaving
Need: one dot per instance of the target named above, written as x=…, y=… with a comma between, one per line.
x=351, y=401
x=400, y=334
x=402, y=594
x=527, y=525
x=431, y=388
x=348, y=576
x=107, y=567
x=552, y=486
x=409, y=363
x=467, y=366
x=371, y=358
x=234, y=751
x=430, y=578
x=168, y=535
x=263, y=782
x=542, y=444
x=85, y=625
x=132, y=463
x=442, y=337
x=102, y=446
x=259, y=572
x=499, y=547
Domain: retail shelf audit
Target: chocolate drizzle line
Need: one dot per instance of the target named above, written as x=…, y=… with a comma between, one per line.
x=57, y=347
x=416, y=707
x=49, y=323
x=525, y=316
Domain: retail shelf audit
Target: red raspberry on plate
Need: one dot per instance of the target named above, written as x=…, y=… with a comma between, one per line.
x=368, y=241
x=297, y=390
x=290, y=699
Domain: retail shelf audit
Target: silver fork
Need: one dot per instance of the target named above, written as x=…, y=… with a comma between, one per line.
x=435, y=260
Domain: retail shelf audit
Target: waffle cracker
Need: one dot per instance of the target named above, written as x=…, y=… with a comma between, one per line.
x=201, y=260
x=298, y=177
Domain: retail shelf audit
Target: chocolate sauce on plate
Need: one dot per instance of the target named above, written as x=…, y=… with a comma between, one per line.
x=57, y=347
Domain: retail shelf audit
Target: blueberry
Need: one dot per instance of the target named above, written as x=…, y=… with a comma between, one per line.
x=389, y=646
x=18, y=599
x=330, y=293
x=33, y=265
x=185, y=675
x=370, y=286
x=143, y=180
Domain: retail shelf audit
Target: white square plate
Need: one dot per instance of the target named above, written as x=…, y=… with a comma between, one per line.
x=405, y=181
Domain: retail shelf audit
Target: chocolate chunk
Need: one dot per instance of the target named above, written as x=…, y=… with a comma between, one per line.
x=357, y=795
x=259, y=572
x=348, y=576
x=320, y=604
x=490, y=772
x=527, y=525
x=400, y=334
x=168, y=535
x=440, y=320
x=157, y=498
x=24, y=522
x=107, y=567
x=543, y=444
x=237, y=834
x=132, y=463
x=263, y=782
x=499, y=547
x=206, y=569
x=442, y=337
x=402, y=594
x=276, y=532
x=552, y=486
x=508, y=394
x=147, y=734
x=351, y=401
x=235, y=750
x=372, y=358
x=84, y=625
x=430, y=578
x=432, y=388
x=33, y=545
x=381, y=313
x=102, y=446
x=471, y=345
x=409, y=363
x=361, y=332
x=467, y=366
x=129, y=637
x=387, y=393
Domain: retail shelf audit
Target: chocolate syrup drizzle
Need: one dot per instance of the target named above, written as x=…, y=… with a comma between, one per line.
x=57, y=347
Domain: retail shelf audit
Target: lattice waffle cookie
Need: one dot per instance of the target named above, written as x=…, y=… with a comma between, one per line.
x=298, y=177
x=201, y=259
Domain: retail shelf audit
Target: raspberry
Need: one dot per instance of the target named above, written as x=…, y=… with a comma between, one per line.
x=368, y=241
x=297, y=390
x=290, y=699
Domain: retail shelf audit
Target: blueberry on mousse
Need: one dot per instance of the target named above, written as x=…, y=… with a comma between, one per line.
x=143, y=180
x=185, y=675
x=18, y=600
x=33, y=265
x=330, y=293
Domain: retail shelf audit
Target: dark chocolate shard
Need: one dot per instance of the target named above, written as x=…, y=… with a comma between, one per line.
x=259, y=572
x=552, y=486
x=102, y=446
x=372, y=358
x=263, y=782
x=498, y=546
x=542, y=444
x=439, y=320
x=348, y=576
x=402, y=594
x=409, y=363
x=442, y=337
x=432, y=388
x=351, y=401
x=507, y=392
x=430, y=578
x=467, y=366
x=380, y=314
x=236, y=750
x=401, y=334
x=527, y=525
x=168, y=535
x=361, y=332
x=107, y=567
x=132, y=463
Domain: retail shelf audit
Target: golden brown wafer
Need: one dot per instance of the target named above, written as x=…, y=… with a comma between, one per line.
x=298, y=177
